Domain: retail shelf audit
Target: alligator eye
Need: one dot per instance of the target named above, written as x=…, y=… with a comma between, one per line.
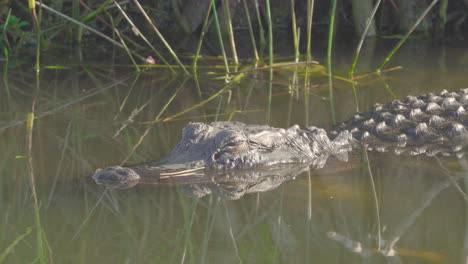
x=235, y=146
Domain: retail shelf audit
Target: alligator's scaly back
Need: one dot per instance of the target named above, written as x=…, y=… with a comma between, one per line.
x=427, y=124
x=430, y=124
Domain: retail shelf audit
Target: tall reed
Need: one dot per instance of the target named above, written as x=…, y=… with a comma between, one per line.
x=251, y=31
x=310, y=13
x=202, y=37
x=270, y=33
x=329, y=59
x=397, y=47
x=161, y=37
x=228, y=20
x=137, y=31
x=220, y=36
x=294, y=31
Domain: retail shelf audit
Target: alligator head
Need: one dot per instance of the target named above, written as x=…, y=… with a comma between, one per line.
x=233, y=146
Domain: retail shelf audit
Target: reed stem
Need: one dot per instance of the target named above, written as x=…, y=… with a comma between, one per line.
x=220, y=36
x=225, y=4
x=294, y=31
x=270, y=33
x=251, y=32
x=329, y=59
x=400, y=43
x=161, y=37
x=310, y=13
x=202, y=37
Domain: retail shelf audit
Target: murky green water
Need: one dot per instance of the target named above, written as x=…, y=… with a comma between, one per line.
x=413, y=209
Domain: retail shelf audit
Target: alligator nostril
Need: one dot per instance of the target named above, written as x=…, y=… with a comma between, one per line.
x=217, y=155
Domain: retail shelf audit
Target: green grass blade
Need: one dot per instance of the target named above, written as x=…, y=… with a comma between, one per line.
x=43, y=6
x=96, y=12
x=202, y=36
x=270, y=33
x=251, y=32
x=138, y=32
x=397, y=47
x=361, y=40
x=168, y=47
x=10, y=247
x=220, y=36
x=329, y=59
x=230, y=31
x=310, y=13
x=294, y=31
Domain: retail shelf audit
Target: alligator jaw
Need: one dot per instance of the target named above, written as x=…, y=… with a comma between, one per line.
x=126, y=177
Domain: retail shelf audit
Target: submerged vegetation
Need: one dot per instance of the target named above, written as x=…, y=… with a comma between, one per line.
x=91, y=83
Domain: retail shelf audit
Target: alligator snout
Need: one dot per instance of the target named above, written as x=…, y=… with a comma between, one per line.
x=116, y=176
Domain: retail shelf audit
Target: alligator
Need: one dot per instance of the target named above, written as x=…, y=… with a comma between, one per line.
x=234, y=152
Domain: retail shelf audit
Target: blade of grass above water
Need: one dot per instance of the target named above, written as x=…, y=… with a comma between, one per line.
x=202, y=37
x=329, y=59
x=222, y=90
x=138, y=33
x=220, y=36
x=397, y=47
x=310, y=13
x=147, y=130
x=361, y=40
x=161, y=37
x=86, y=27
x=270, y=33
x=294, y=31
x=94, y=13
x=232, y=41
x=6, y=53
x=358, y=52
x=251, y=31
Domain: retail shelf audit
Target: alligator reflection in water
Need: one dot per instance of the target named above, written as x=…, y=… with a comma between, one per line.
x=232, y=184
x=248, y=158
